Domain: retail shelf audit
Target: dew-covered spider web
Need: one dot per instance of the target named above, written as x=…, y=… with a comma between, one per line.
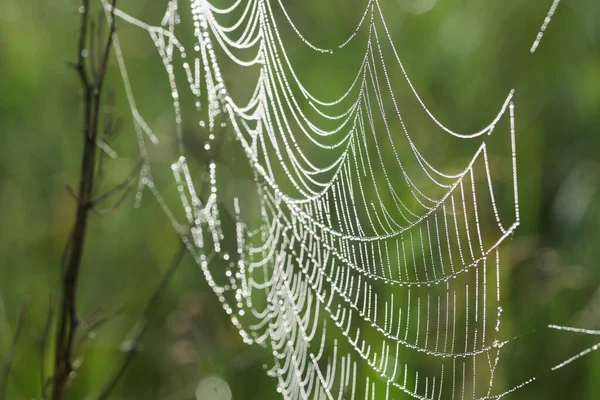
x=372, y=271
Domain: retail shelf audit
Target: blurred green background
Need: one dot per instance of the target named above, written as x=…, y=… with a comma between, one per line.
x=463, y=56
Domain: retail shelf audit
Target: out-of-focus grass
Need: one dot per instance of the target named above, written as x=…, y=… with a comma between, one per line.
x=462, y=55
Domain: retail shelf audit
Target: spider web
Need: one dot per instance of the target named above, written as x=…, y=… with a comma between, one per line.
x=371, y=272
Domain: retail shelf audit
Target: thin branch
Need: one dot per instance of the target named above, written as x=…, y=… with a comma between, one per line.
x=123, y=185
x=43, y=346
x=67, y=321
x=6, y=367
x=72, y=193
x=80, y=66
x=108, y=126
x=100, y=34
x=96, y=324
x=85, y=321
x=112, y=127
x=65, y=253
x=142, y=324
x=92, y=51
x=117, y=204
x=109, y=42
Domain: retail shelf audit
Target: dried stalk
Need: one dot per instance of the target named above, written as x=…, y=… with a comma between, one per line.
x=92, y=84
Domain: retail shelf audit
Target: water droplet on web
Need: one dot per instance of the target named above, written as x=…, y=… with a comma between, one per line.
x=308, y=238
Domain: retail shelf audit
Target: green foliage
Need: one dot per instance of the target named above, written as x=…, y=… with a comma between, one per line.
x=462, y=55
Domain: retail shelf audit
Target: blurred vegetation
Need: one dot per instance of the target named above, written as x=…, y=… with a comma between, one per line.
x=463, y=56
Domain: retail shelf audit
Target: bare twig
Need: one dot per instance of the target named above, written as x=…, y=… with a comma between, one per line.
x=72, y=193
x=65, y=253
x=142, y=324
x=80, y=66
x=7, y=365
x=110, y=126
x=67, y=321
x=123, y=185
x=43, y=346
x=127, y=190
x=91, y=326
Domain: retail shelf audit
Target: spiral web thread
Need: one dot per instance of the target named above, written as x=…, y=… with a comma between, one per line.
x=362, y=280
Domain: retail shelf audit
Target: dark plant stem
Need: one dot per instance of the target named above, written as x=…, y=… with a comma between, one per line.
x=92, y=90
